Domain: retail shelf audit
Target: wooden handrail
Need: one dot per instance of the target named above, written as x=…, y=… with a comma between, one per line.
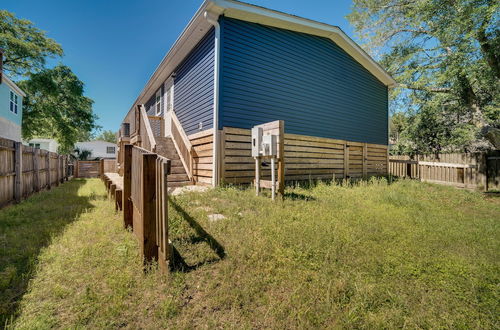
x=182, y=144
x=147, y=125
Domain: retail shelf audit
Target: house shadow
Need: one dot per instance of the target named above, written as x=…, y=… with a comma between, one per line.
x=25, y=229
x=202, y=236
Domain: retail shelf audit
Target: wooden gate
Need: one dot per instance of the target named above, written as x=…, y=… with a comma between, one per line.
x=88, y=169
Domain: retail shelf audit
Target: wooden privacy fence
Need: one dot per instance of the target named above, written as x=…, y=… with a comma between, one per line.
x=25, y=170
x=145, y=202
x=474, y=171
x=94, y=168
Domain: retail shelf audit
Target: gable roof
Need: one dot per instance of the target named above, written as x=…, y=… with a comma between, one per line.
x=12, y=85
x=199, y=25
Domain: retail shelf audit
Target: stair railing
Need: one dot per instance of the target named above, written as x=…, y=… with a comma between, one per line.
x=182, y=145
x=145, y=132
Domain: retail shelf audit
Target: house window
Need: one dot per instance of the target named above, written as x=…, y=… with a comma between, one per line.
x=35, y=145
x=110, y=150
x=13, y=102
x=158, y=102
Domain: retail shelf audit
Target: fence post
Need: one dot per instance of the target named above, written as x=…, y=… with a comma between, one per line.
x=148, y=207
x=346, y=160
x=57, y=170
x=18, y=165
x=36, y=170
x=101, y=168
x=127, y=186
x=47, y=167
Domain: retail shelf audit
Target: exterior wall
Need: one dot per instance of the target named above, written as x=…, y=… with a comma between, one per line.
x=98, y=148
x=202, y=143
x=46, y=144
x=306, y=158
x=10, y=123
x=194, y=87
x=309, y=82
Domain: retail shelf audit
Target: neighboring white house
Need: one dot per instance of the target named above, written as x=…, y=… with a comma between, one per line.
x=45, y=144
x=99, y=149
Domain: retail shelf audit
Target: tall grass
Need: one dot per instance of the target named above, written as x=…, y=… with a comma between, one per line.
x=366, y=255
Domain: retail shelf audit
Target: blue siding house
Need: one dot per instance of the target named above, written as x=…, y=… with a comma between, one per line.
x=11, y=109
x=237, y=65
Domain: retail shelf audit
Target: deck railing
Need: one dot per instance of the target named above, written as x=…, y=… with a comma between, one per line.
x=183, y=145
x=145, y=199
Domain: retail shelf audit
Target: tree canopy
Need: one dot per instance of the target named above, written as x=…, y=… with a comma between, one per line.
x=108, y=136
x=26, y=48
x=55, y=107
x=445, y=55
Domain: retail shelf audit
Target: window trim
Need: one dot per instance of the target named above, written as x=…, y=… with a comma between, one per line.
x=158, y=102
x=114, y=150
x=13, y=102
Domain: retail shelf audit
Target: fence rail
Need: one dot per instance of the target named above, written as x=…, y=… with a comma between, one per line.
x=26, y=170
x=145, y=201
x=474, y=171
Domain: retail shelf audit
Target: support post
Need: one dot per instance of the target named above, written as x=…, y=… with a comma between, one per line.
x=36, y=170
x=365, y=159
x=257, y=176
x=281, y=159
x=150, y=248
x=101, y=168
x=47, y=167
x=18, y=165
x=273, y=179
x=127, y=186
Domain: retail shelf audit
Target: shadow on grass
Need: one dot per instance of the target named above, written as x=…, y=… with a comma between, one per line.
x=179, y=263
x=25, y=229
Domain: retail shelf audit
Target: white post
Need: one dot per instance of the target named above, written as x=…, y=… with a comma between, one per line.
x=257, y=176
x=273, y=179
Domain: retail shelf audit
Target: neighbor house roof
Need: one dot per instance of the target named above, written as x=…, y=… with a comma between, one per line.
x=199, y=25
x=12, y=85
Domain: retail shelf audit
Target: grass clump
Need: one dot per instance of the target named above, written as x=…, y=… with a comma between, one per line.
x=365, y=255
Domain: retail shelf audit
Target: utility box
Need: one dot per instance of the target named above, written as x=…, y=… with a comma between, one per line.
x=256, y=141
x=269, y=146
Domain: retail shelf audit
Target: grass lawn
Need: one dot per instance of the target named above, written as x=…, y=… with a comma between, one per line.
x=373, y=255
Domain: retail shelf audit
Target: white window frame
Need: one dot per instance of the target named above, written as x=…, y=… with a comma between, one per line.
x=169, y=95
x=158, y=102
x=14, y=102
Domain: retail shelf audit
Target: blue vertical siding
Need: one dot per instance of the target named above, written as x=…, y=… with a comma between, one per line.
x=194, y=86
x=308, y=81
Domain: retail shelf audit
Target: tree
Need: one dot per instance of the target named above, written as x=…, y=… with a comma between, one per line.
x=82, y=154
x=445, y=56
x=108, y=136
x=55, y=107
x=26, y=47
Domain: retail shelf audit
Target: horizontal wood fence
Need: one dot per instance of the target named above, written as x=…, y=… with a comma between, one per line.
x=26, y=170
x=88, y=169
x=145, y=202
x=306, y=157
x=473, y=171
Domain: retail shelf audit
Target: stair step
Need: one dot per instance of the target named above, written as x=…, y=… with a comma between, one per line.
x=179, y=184
x=177, y=170
x=177, y=177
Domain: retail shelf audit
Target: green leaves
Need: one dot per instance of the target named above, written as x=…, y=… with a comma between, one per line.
x=445, y=56
x=26, y=47
x=56, y=107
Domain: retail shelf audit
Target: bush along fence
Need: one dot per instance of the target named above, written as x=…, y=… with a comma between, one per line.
x=473, y=171
x=142, y=194
x=25, y=170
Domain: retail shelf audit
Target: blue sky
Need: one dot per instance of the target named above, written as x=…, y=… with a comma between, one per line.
x=115, y=46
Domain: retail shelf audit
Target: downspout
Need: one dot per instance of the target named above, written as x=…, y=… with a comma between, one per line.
x=213, y=19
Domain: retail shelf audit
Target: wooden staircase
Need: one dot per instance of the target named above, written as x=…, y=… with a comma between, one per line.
x=178, y=177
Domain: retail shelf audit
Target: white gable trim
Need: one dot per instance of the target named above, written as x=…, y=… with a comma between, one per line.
x=12, y=85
